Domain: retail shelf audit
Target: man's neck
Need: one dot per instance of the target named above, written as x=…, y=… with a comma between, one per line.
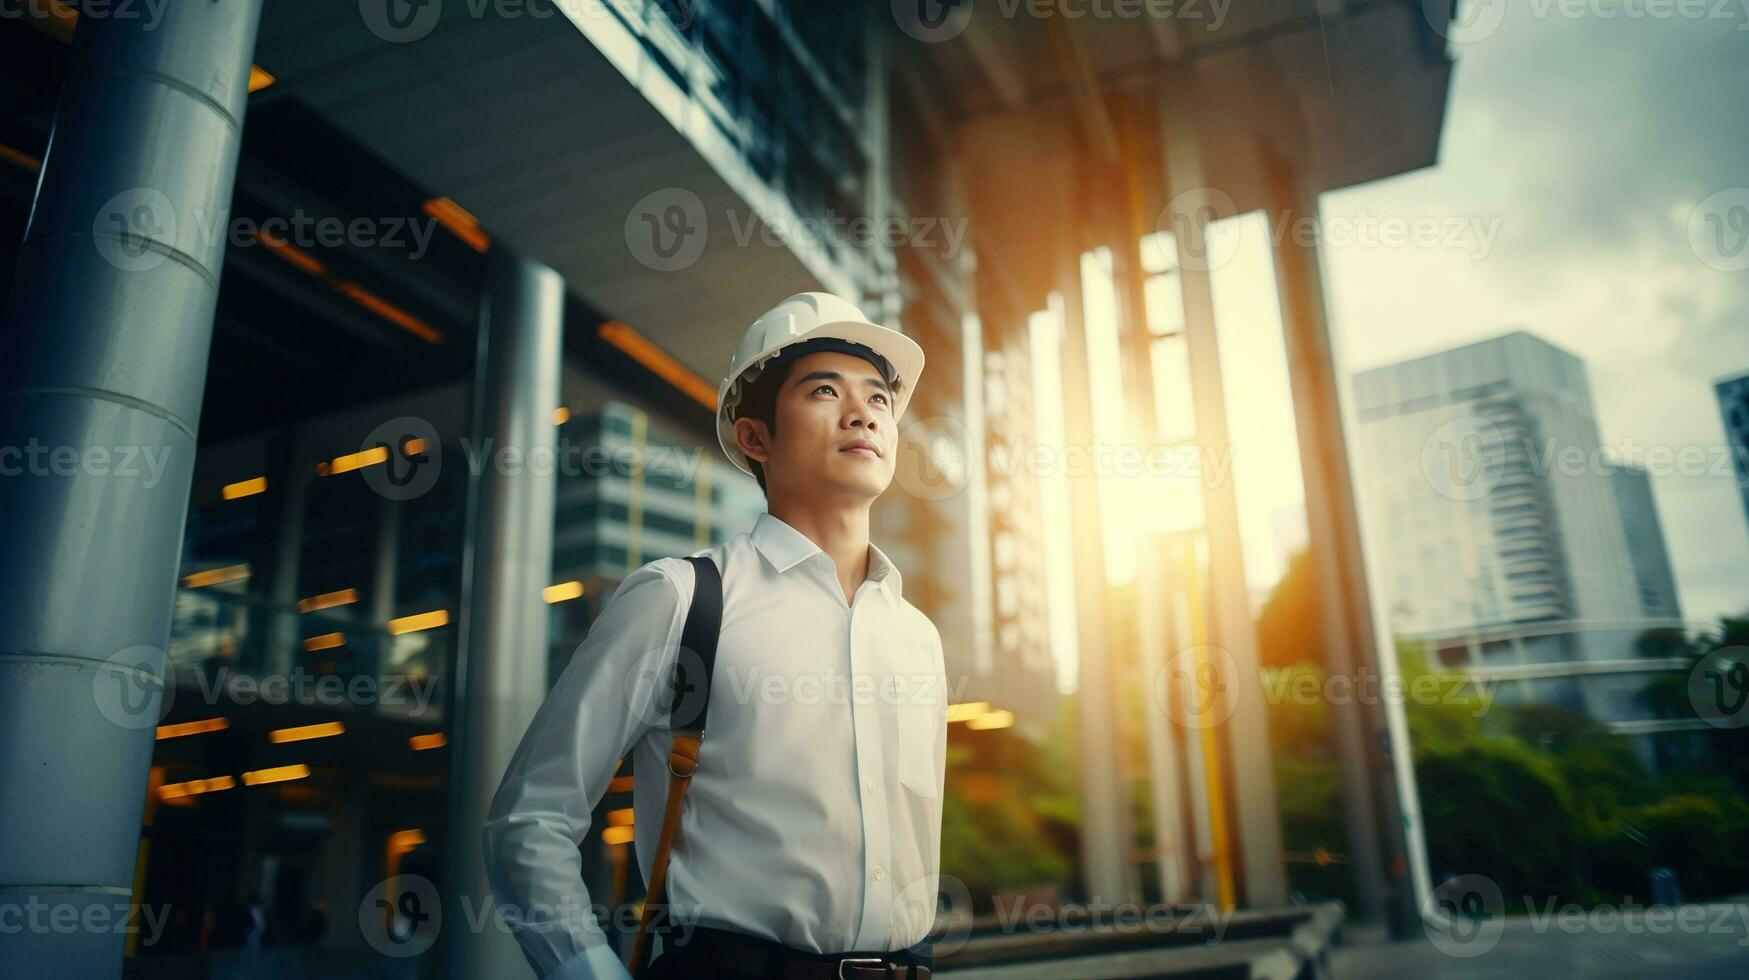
x=842, y=533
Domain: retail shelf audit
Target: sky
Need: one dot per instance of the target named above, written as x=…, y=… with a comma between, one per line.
x=1576, y=151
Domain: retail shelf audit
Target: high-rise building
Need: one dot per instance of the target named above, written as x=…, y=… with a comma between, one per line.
x=1483, y=462
x=1734, y=406
x=1513, y=549
x=1645, y=536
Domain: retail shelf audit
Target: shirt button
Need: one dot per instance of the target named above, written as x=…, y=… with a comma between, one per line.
x=871, y=787
x=879, y=874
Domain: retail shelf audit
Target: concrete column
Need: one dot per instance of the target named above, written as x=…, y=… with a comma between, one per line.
x=102, y=366
x=1105, y=824
x=500, y=674
x=1257, y=819
x=1127, y=225
x=1337, y=564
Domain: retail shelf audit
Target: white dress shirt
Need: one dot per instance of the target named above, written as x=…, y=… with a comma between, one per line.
x=814, y=817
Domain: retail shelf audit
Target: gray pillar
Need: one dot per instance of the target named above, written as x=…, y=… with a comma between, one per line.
x=1334, y=549
x=103, y=365
x=501, y=665
x=1255, y=814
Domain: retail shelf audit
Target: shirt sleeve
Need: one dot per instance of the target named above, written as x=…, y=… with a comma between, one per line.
x=604, y=701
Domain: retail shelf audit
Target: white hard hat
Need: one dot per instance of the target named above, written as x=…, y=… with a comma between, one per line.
x=810, y=316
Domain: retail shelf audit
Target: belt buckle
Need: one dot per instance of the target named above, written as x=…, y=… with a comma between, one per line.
x=873, y=961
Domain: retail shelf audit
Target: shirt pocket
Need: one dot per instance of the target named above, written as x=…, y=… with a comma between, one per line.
x=920, y=723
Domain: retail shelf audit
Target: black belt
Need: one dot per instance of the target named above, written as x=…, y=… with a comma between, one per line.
x=707, y=947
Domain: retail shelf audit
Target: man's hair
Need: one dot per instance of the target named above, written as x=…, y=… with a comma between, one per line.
x=760, y=400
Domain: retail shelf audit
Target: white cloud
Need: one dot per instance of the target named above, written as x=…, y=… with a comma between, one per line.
x=1577, y=136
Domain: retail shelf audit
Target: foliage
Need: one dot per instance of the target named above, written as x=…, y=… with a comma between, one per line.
x=1546, y=802
x=1289, y=627
x=1550, y=803
x=1011, y=812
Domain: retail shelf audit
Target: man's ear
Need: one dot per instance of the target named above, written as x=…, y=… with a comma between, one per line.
x=753, y=439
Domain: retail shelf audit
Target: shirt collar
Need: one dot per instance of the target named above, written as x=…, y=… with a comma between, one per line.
x=785, y=547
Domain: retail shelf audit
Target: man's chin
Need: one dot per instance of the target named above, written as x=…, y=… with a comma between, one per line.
x=866, y=484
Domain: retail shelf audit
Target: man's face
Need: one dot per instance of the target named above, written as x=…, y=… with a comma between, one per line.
x=835, y=428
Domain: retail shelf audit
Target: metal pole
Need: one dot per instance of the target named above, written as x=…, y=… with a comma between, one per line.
x=102, y=369
x=501, y=665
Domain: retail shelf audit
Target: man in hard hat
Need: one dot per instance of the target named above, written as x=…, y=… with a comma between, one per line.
x=809, y=841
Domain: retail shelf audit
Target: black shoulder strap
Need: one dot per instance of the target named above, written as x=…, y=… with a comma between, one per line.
x=697, y=658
